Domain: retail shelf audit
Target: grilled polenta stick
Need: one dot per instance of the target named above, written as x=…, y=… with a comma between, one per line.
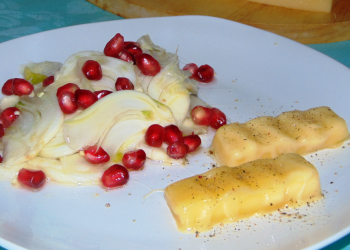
x=225, y=194
x=300, y=132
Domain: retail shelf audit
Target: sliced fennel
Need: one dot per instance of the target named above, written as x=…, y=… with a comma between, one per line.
x=56, y=147
x=129, y=145
x=147, y=44
x=157, y=52
x=191, y=85
x=70, y=78
x=112, y=68
x=43, y=68
x=71, y=62
x=188, y=127
x=9, y=101
x=42, y=138
x=70, y=170
x=125, y=127
x=40, y=120
x=158, y=154
x=89, y=126
x=168, y=87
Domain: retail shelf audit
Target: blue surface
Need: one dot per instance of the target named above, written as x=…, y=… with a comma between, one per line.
x=23, y=17
x=339, y=51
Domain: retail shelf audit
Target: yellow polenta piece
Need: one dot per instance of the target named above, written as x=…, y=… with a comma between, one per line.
x=225, y=194
x=300, y=132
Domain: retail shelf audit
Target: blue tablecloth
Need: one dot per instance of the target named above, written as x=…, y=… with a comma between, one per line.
x=23, y=17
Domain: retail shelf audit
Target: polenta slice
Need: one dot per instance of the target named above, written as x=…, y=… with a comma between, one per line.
x=300, y=132
x=225, y=194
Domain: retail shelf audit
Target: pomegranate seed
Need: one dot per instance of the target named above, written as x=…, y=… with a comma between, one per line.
x=102, y=93
x=147, y=64
x=126, y=56
x=126, y=43
x=71, y=87
x=115, y=176
x=4, y=122
x=10, y=114
x=92, y=70
x=123, y=83
x=134, y=159
x=201, y=115
x=96, y=155
x=172, y=134
x=192, y=67
x=177, y=150
x=114, y=46
x=7, y=88
x=21, y=87
x=31, y=178
x=66, y=100
x=193, y=142
x=48, y=81
x=2, y=133
x=84, y=98
x=218, y=119
x=1, y=159
x=133, y=49
x=154, y=135
x=204, y=73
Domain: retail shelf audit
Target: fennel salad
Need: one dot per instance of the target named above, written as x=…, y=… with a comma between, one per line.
x=100, y=115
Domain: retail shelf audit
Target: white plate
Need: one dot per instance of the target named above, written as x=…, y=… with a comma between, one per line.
x=258, y=73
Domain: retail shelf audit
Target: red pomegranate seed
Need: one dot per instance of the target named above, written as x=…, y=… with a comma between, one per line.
x=31, y=178
x=201, y=115
x=218, y=119
x=1, y=159
x=193, y=142
x=71, y=87
x=92, y=70
x=4, y=122
x=192, y=67
x=147, y=64
x=10, y=114
x=123, y=83
x=172, y=134
x=126, y=43
x=204, y=73
x=154, y=135
x=7, y=88
x=21, y=87
x=48, y=81
x=84, y=98
x=96, y=155
x=115, y=176
x=2, y=132
x=177, y=150
x=114, y=46
x=133, y=49
x=134, y=159
x=102, y=93
x=66, y=100
x=126, y=56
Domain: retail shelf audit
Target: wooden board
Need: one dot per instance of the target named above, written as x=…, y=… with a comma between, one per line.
x=303, y=26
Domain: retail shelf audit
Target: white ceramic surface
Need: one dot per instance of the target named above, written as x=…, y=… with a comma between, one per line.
x=258, y=73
